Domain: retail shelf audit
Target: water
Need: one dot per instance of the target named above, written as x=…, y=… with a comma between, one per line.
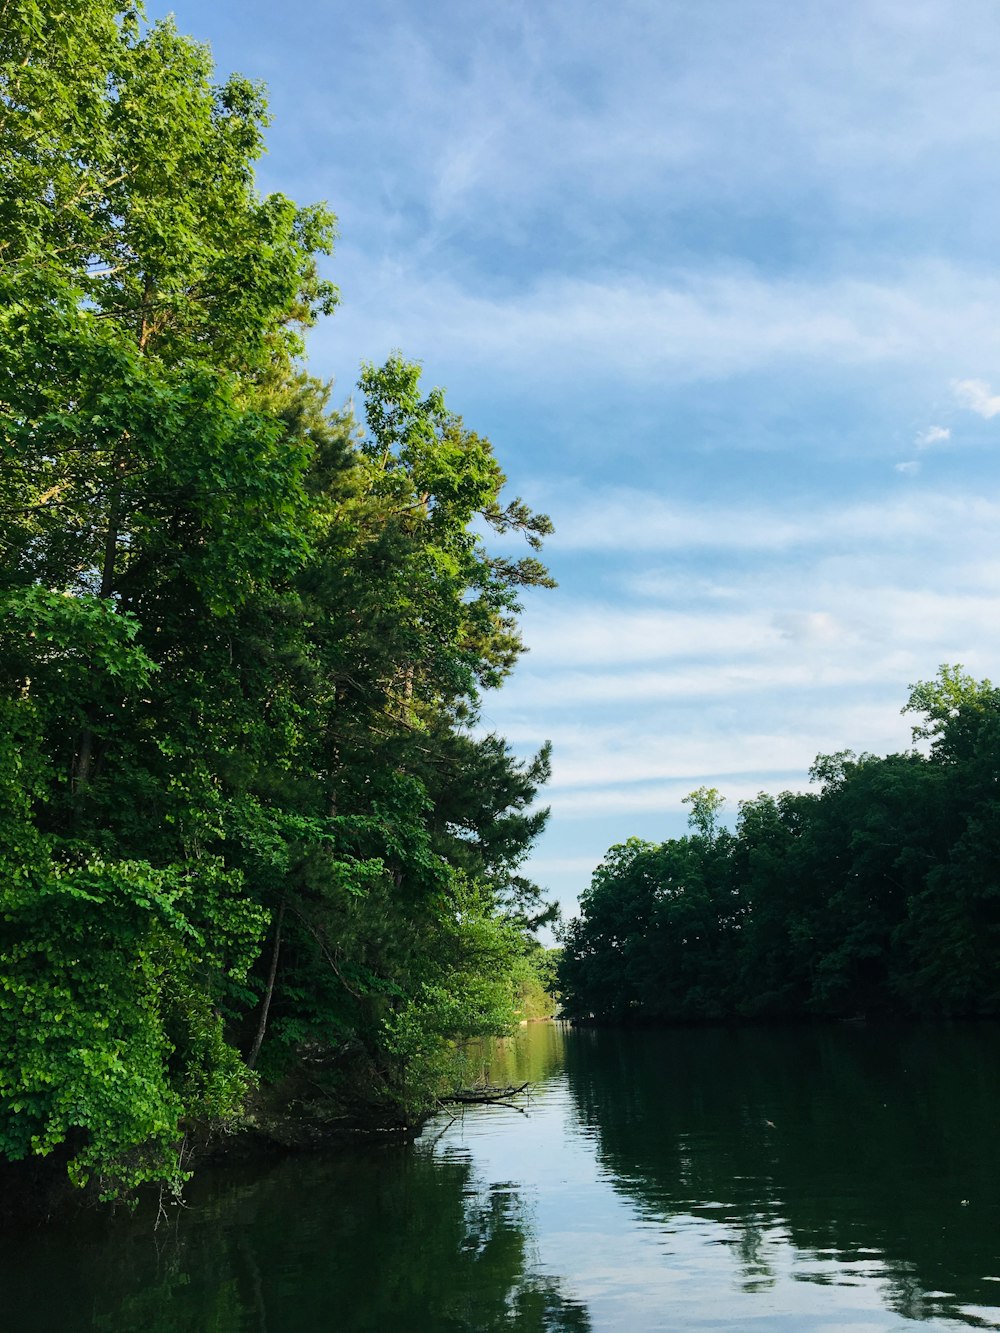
x=835, y=1179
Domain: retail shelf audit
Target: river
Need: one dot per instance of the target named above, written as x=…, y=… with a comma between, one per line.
x=843, y=1178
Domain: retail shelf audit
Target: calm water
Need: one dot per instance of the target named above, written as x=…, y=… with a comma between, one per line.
x=787, y=1180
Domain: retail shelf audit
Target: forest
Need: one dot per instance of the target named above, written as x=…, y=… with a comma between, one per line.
x=877, y=895
x=256, y=851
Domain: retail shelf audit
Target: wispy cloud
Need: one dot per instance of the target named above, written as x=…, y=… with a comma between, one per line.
x=756, y=110
x=926, y=439
x=701, y=323
x=628, y=752
x=686, y=686
x=639, y=798
x=977, y=396
x=866, y=635
x=692, y=267
x=661, y=684
x=633, y=520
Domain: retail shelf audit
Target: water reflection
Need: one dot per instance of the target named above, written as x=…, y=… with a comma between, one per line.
x=395, y=1240
x=536, y=1055
x=785, y=1180
x=867, y=1156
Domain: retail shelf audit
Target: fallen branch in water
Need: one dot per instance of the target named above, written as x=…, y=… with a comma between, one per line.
x=486, y=1096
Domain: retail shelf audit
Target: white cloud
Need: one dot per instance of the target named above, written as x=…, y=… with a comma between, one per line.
x=977, y=396
x=595, y=633
x=863, y=633
x=602, y=109
x=701, y=323
x=683, y=686
x=660, y=685
x=641, y=798
x=899, y=637
x=908, y=469
x=633, y=520
x=931, y=436
x=713, y=744
x=806, y=626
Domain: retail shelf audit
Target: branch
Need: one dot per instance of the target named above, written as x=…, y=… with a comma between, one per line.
x=326, y=953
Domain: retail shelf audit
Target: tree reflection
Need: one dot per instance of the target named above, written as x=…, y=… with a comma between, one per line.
x=872, y=1150
x=396, y=1239
x=751, y=1245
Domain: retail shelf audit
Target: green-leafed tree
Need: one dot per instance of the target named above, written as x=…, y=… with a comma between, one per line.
x=656, y=936
x=246, y=818
x=947, y=949
x=404, y=902
x=876, y=894
x=147, y=496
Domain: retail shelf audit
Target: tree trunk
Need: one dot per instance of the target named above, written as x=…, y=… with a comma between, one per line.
x=84, y=756
x=258, y=1040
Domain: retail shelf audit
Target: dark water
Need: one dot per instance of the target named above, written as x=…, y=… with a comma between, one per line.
x=836, y=1179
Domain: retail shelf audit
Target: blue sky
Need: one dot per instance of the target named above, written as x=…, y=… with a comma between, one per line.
x=718, y=278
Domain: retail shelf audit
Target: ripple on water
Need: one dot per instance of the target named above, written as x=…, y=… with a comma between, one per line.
x=641, y=1188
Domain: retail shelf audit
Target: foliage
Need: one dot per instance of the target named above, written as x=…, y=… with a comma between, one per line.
x=247, y=817
x=878, y=893
x=536, y=982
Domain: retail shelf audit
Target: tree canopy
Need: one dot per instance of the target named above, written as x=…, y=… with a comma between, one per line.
x=878, y=893
x=249, y=824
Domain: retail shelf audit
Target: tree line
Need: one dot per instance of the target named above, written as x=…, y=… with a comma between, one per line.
x=877, y=894
x=251, y=834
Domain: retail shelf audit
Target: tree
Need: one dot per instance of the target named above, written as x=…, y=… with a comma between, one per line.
x=148, y=292
x=247, y=824
x=878, y=893
x=706, y=807
x=407, y=618
x=948, y=945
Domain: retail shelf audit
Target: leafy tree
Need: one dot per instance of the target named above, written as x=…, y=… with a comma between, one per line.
x=876, y=894
x=949, y=942
x=247, y=823
x=706, y=806
x=405, y=796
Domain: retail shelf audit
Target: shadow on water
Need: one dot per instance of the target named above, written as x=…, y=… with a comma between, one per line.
x=389, y=1240
x=873, y=1151
x=816, y=1159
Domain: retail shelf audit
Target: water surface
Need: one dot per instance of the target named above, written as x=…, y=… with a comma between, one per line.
x=821, y=1179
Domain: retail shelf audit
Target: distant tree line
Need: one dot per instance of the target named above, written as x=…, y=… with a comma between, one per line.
x=250, y=830
x=878, y=894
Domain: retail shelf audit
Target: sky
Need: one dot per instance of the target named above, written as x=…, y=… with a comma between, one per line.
x=718, y=279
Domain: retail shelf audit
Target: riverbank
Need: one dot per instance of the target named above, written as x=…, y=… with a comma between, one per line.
x=38, y=1191
x=294, y=1117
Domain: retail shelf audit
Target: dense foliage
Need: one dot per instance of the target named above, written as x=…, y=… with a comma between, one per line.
x=248, y=823
x=878, y=893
